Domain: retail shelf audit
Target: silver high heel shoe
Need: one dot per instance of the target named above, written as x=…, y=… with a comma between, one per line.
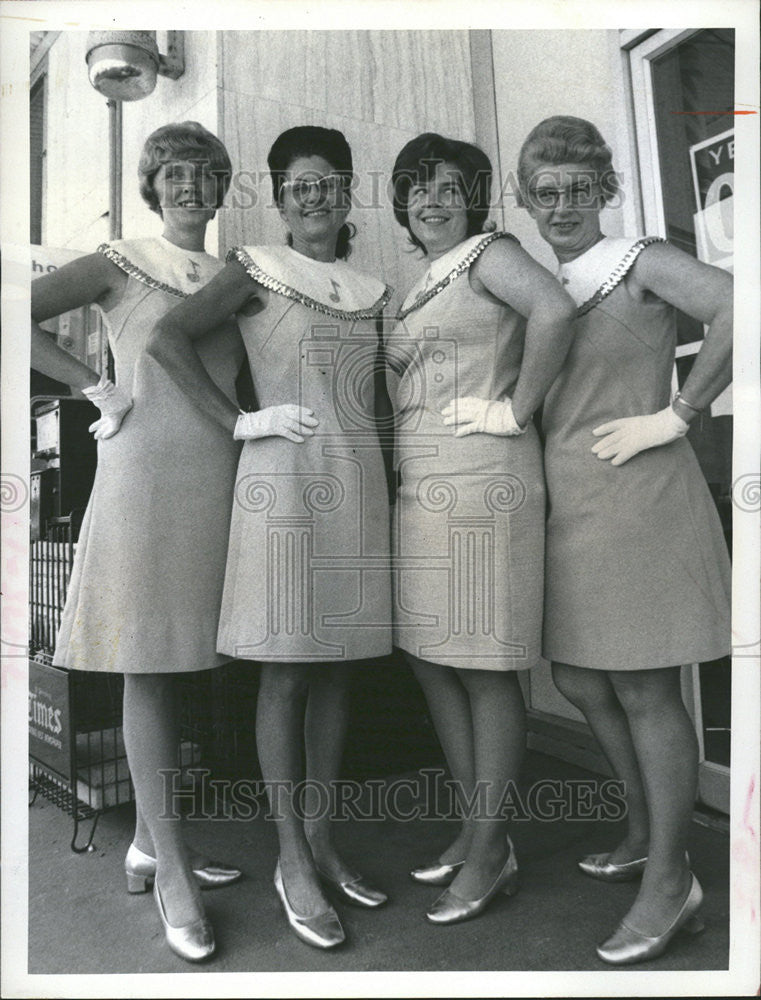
x=436, y=874
x=140, y=870
x=450, y=908
x=194, y=941
x=626, y=946
x=356, y=891
x=321, y=931
x=598, y=866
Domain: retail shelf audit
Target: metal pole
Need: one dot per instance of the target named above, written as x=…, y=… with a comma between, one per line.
x=115, y=169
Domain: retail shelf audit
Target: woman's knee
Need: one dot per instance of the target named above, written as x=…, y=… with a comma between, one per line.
x=644, y=691
x=568, y=680
x=585, y=688
x=284, y=681
x=428, y=673
x=490, y=683
x=137, y=686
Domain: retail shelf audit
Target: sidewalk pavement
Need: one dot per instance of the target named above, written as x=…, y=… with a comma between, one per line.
x=81, y=919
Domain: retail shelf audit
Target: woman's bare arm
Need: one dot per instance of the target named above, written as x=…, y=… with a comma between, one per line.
x=170, y=342
x=91, y=279
x=506, y=271
x=55, y=362
x=705, y=293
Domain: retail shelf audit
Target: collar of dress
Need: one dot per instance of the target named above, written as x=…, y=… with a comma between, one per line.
x=332, y=288
x=161, y=265
x=590, y=278
x=445, y=269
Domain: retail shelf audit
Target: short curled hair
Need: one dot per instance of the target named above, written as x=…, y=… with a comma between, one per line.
x=565, y=139
x=417, y=163
x=187, y=141
x=313, y=140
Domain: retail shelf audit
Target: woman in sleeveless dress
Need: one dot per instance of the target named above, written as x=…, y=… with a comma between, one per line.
x=146, y=584
x=484, y=321
x=637, y=571
x=307, y=589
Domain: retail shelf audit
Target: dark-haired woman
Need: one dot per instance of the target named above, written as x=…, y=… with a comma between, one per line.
x=637, y=572
x=146, y=584
x=307, y=591
x=483, y=334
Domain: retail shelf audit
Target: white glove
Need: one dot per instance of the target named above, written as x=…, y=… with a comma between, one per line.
x=114, y=404
x=471, y=415
x=288, y=421
x=628, y=436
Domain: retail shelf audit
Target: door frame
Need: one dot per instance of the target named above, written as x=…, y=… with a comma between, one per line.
x=713, y=778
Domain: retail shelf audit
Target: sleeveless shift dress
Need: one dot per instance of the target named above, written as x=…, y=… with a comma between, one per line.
x=308, y=574
x=146, y=584
x=637, y=571
x=469, y=522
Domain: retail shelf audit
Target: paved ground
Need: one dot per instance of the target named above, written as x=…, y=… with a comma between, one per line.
x=82, y=920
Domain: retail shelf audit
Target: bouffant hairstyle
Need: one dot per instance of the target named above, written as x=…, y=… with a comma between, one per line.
x=313, y=140
x=416, y=164
x=187, y=141
x=565, y=139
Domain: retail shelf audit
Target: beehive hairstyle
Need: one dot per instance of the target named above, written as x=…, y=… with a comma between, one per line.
x=313, y=140
x=565, y=139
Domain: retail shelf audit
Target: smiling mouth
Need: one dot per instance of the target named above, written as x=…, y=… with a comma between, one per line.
x=315, y=212
x=190, y=204
x=434, y=220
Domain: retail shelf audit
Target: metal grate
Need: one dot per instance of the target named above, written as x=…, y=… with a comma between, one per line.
x=59, y=793
x=50, y=563
x=92, y=773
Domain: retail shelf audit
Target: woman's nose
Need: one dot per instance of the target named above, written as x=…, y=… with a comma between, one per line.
x=431, y=201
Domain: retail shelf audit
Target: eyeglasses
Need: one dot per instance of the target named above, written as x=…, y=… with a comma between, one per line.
x=304, y=188
x=582, y=194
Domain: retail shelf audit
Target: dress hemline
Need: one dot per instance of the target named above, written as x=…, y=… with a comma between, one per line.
x=483, y=663
x=629, y=668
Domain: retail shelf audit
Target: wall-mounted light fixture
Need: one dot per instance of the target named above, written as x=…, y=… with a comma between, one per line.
x=123, y=65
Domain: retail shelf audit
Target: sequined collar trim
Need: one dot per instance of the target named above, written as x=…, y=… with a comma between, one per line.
x=138, y=273
x=618, y=273
x=460, y=268
x=281, y=288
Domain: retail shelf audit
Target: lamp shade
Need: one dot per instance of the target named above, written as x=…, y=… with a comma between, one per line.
x=123, y=65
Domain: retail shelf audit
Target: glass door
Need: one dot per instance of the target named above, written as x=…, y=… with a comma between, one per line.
x=683, y=86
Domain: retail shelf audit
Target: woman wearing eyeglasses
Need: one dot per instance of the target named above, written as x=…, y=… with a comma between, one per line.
x=637, y=571
x=307, y=590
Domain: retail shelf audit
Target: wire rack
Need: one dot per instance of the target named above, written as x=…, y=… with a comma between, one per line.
x=77, y=758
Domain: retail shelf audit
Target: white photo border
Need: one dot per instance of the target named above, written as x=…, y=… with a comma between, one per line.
x=17, y=19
